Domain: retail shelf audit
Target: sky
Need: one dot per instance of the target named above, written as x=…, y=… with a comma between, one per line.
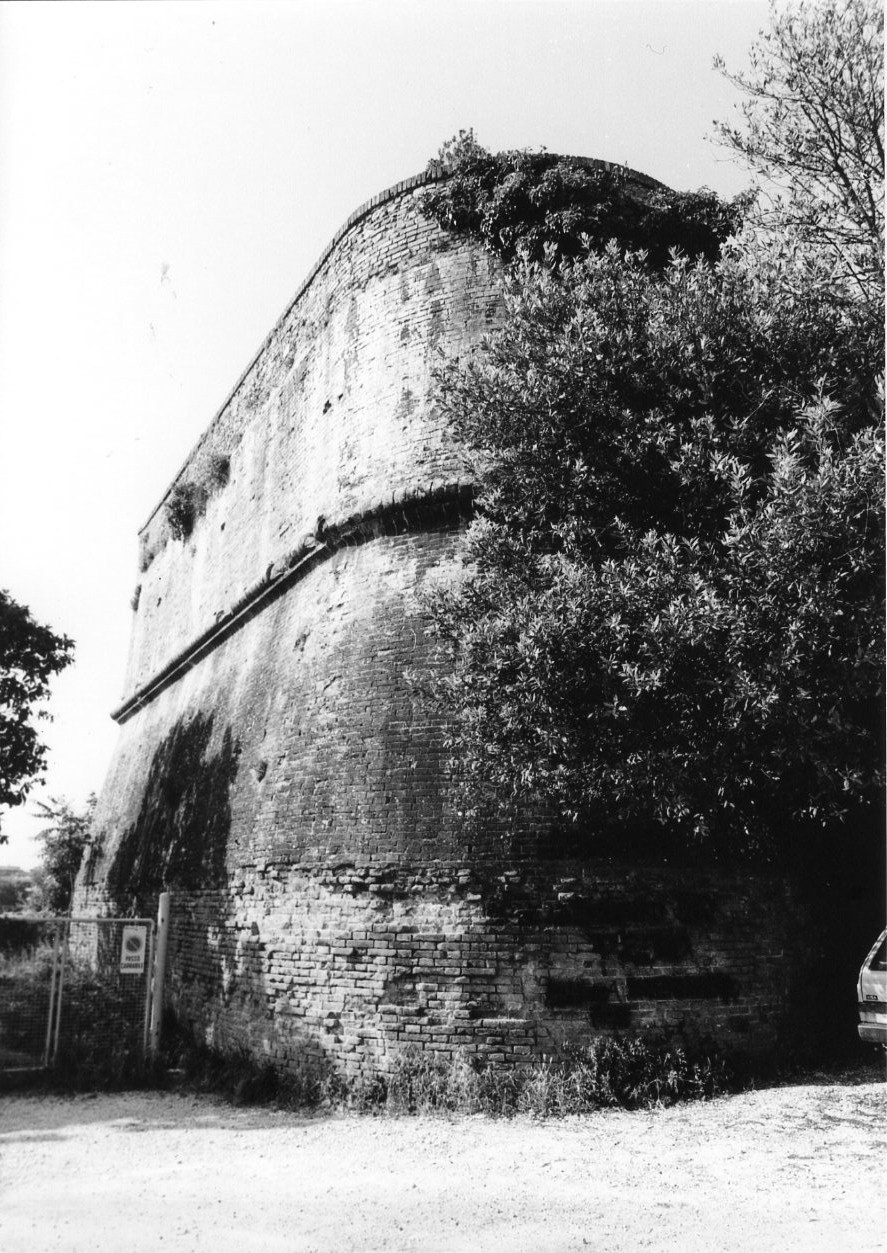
x=168, y=175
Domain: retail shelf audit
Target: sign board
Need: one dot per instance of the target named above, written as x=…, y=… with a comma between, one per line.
x=133, y=949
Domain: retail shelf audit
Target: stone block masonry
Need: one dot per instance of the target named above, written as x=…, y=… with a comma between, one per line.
x=282, y=773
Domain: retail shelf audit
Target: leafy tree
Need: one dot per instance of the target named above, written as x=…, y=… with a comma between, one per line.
x=813, y=127
x=64, y=839
x=672, y=608
x=30, y=654
x=15, y=888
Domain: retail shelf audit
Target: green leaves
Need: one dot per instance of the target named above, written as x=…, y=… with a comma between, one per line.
x=672, y=609
x=813, y=127
x=546, y=208
x=30, y=654
x=64, y=841
x=672, y=613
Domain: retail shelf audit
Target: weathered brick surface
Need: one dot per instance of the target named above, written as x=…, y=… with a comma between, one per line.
x=332, y=420
x=286, y=780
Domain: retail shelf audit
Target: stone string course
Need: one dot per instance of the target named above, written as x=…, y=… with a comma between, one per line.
x=280, y=769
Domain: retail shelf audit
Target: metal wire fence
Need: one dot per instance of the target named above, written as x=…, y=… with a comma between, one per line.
x=74, y=992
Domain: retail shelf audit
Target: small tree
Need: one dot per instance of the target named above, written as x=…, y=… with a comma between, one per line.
x=813, y=127
x=672, y=610
x=64, y=840
x=30, y=654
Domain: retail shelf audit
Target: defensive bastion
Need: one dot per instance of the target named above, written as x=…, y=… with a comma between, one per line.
x=281, y=775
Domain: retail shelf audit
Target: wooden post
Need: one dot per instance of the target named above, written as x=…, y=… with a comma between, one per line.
x=159, y=973
x=50, y=1022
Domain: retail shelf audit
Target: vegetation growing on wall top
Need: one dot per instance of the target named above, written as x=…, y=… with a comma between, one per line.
x=185, y=505
x=537, y=205
x=189, y=498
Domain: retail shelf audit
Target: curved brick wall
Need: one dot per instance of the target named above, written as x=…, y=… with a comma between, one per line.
x=331, y=420
x=278, y=771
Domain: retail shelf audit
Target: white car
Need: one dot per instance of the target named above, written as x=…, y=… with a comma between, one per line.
x=871, y=993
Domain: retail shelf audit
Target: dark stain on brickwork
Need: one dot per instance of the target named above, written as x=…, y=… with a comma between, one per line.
x=180, y=836
x=436, y=323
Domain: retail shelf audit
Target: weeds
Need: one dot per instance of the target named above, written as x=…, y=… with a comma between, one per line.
x=240, y=1078
x=631, y=1073
x=188, y=500
x=218, y=471
x=100, y=1048
x=628, y=1073
x=100, y=1035
x=185, y=504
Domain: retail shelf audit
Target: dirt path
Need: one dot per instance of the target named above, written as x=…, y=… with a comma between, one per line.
x=795, y=1168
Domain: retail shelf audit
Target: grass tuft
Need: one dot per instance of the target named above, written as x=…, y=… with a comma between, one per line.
x=628, y=1073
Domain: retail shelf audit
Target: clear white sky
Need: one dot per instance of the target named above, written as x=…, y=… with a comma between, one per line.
x=169, y=173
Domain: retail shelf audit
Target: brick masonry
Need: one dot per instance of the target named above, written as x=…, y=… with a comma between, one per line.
x=280, y=770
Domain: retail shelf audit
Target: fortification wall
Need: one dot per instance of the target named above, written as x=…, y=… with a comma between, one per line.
x=331, y=420
x=281, y=773
x=328, y=907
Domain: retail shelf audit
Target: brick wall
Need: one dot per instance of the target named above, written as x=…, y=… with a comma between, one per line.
x=331, y=420
x=338, y=966
x=279, y=770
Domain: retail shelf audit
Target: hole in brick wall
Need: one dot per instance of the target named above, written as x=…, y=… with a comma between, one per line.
x=400, y=990
x=615, y=1015
x=603, y=943
x=695, y=908
x=565, y=843
x=711, y=985
x=644, y=947
x=574, y=994
x=580, y=911
x=597, y=1000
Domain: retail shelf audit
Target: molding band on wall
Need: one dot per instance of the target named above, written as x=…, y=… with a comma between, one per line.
x=422, y=510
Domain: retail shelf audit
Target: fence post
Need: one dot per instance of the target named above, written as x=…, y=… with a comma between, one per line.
x=60, y=986
x=50, y=1022
x=159, y=972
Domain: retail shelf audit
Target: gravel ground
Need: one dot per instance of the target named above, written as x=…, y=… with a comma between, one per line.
x=789, y=1168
